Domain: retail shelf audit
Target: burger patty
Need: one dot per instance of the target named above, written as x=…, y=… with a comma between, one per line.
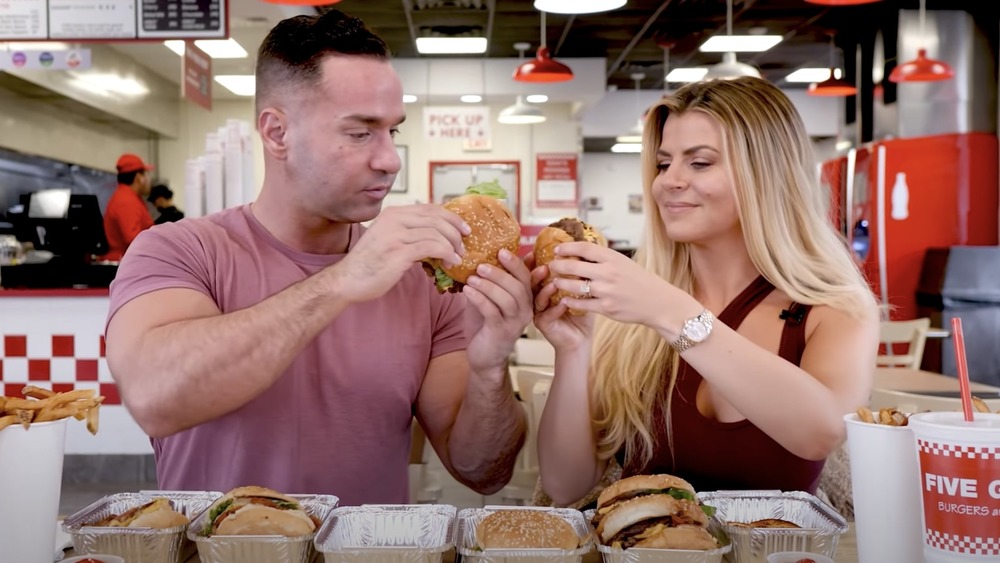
x=632, y=535
x=626, y=496
x=572, y=226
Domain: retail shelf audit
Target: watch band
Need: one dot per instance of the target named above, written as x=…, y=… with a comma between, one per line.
x=683, y=342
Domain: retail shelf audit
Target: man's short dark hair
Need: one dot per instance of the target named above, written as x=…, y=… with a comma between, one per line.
x=293, y=51
x=127, y=178
x=158, y=191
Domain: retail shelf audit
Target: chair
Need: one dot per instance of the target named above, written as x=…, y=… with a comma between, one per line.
x=533, y=388
x=911, y=333
x=424, y=487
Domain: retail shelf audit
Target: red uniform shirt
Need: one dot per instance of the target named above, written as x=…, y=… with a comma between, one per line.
x=124, y=219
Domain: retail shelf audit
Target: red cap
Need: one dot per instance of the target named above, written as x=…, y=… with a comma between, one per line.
x=131, y=163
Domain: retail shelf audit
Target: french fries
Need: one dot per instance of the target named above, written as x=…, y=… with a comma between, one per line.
x=44, y=405
x=887, y=417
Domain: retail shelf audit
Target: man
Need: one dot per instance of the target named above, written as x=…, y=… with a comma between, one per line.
x=162, y=199
x=281, y=343
x=127, y=215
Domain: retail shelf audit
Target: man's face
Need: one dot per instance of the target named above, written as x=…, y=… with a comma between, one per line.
x=341, y=157
x=145, y=184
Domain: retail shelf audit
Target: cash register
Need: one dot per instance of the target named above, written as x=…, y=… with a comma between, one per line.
x=66, y=232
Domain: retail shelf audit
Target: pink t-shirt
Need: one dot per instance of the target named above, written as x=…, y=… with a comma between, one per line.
x=338, y=420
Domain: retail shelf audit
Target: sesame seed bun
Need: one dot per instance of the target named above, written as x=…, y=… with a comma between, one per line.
x=525, y=529
x=494, y=227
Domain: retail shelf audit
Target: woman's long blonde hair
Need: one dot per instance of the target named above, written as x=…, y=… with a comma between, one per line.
x=788, y=234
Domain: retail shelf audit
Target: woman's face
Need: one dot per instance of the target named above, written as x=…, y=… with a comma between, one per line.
x=692, y=188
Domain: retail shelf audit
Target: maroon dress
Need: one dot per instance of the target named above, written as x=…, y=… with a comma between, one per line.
x=715, y=455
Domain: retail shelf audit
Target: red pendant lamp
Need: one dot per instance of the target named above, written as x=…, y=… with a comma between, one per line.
x=832, y=86
x=842, y=2
x=922, y=68
x=543, y=68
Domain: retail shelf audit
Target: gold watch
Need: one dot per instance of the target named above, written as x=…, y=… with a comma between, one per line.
x=694, y=331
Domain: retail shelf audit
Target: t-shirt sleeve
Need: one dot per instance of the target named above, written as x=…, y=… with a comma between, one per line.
x=168, y=256
x=449, y=323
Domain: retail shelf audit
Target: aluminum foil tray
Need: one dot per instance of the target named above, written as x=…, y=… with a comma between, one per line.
x=821, y=525
x=640, y=555
x=469, y=519
x=137, y=545
x=262, y=549
x=420, y=533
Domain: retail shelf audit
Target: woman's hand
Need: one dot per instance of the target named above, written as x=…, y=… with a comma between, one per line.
x=564, y=331
x=610, y=284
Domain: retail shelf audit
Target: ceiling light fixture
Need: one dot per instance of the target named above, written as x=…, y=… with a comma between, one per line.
x=521, y=113
x=451, y=45
x=239, y=84
x=693, y=74
x=543, y=68
x=215, y=48
x=842, y=2
x=739, y=43
x=409, y=98
x=536, y=98
x=626, y=148
x=730, y=67
x=578, y=6
x=471, y=98
x=832, y=86
x=922, y=69
x=808, y=75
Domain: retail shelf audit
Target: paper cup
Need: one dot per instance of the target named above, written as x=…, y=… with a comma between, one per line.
x=31, y=462
x=960, y=481
x=886, y=492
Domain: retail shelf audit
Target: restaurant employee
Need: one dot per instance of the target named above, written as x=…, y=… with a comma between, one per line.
x=127, y=215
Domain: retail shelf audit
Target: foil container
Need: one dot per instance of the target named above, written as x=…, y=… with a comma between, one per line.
x=645, y=555
x=137, y=545
x=420, y=533
x=262, y=549
x=466, y=545
x=820, y=525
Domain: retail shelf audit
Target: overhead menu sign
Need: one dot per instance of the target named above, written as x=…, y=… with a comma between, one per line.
x=24, y=19
x=90, y=20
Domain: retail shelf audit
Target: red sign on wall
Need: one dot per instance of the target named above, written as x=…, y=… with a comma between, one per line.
x=556, y=175
x=197, y=76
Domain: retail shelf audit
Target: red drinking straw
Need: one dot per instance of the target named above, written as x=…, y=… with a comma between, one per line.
x=963, y=368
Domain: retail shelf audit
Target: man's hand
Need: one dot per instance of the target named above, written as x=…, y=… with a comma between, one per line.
x=501, y=308
x=398, y=238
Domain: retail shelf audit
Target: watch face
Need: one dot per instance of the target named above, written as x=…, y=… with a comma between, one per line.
x=696, y=331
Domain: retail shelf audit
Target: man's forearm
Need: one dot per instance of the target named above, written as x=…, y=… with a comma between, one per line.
x=185, y=373
x=488, y=432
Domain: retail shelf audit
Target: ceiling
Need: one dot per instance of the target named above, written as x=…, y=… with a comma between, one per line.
x=630, y=38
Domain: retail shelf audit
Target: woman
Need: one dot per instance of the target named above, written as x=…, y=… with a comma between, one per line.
x=729, y=350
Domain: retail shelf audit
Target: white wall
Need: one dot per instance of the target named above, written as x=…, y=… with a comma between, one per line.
x=560, y=133
x=33, y=127
x=611, y=178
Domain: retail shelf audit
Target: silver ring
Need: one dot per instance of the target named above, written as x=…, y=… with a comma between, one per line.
x=585, y=288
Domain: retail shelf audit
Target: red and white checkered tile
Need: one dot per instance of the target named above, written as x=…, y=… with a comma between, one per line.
x=963, y=544
x=62, y=362
x=952, y=450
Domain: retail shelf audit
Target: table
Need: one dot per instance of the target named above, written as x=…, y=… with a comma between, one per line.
x=898, y=387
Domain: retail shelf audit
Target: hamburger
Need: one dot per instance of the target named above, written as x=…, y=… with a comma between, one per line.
x=525, y=529
x=155, y=514
x=258, y=511
x=567, y=229
x=653, y=511
x=494, y=227
x=765, y=523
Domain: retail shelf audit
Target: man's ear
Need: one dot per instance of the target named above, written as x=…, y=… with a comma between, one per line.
x=272, y=124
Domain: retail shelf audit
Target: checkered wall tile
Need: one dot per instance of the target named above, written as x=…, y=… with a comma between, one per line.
x=62, y=362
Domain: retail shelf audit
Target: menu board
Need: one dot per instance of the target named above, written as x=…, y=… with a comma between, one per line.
x=90, y=20
x=24, y=19
x=101, y=19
